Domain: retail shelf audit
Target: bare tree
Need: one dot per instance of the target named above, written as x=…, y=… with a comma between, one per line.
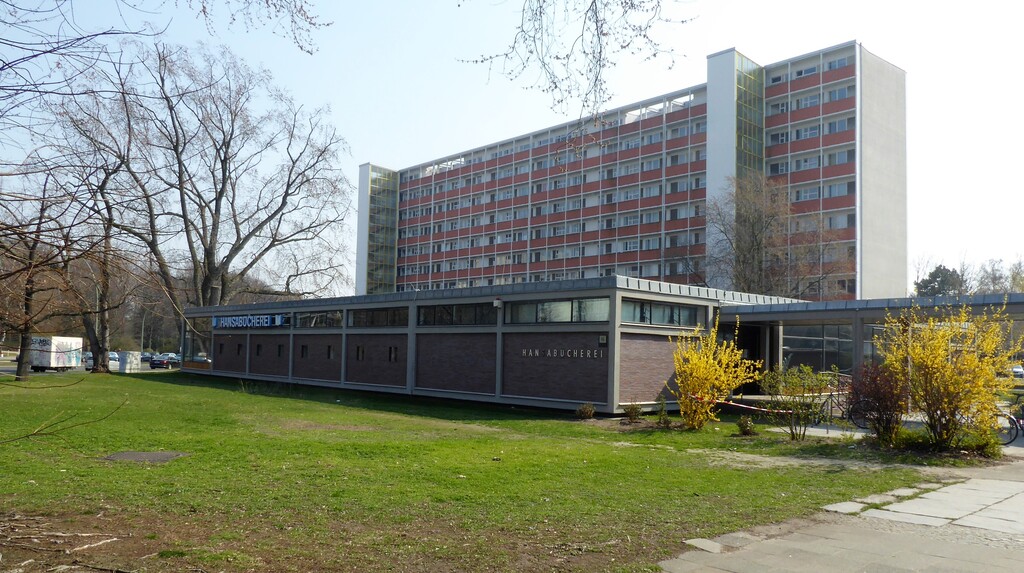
x=229, y=177
x=572, y=44
x=46, y=47
x=757, y=244
x=31, y=246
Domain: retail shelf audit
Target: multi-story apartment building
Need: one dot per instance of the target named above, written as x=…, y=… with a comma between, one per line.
x=627, y=192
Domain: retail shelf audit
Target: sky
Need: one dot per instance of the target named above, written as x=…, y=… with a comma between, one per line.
x=394, y=75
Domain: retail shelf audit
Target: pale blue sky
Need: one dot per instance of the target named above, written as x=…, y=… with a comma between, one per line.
x=391, y=73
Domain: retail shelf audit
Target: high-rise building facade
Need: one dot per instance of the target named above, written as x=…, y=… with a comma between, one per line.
x=627, y=192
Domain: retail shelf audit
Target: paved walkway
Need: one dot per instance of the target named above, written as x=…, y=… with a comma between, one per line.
x=971, y=520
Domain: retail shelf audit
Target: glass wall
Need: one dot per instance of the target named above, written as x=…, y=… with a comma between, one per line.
x=820, y=346
x=321, y=319
x=378, y=317
x=644, y=312
x=458, y=315
x=578, y=310
x=196, y=350
x=382, y=244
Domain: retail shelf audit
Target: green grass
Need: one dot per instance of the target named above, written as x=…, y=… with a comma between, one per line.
x=362, y=482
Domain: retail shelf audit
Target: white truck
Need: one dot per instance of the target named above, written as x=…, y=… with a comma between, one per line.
x=60, y=353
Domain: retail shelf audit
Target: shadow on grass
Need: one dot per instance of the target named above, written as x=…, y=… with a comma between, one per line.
x=426, y=406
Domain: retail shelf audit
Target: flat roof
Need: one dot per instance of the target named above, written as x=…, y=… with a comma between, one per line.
x=871, y=307
x=617, y=282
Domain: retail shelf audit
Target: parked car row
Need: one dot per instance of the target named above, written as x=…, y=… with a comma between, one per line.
x=166, y=360
x=112, y=359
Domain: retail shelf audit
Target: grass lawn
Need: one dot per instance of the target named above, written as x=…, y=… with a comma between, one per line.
x=324, y=480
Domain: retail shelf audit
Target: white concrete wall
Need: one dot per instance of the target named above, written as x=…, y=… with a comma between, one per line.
x=882, y=178
x=362, y=228
x=721, y=147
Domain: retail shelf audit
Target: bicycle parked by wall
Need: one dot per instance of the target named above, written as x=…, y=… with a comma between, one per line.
x=840, y=404
x=1011, y=421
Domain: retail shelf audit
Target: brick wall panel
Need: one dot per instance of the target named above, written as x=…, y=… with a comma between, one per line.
x=375, y=368
x=462, y=362
x=529, y=369
x=321, y=362
x=645, y=365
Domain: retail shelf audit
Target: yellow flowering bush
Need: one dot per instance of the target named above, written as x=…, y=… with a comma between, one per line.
x=953, y=364
x=707, y=369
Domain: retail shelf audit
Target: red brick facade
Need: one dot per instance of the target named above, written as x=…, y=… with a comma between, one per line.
x=645, y=365
x=322, y=359
x=229, y=352
x=560, y=365
x=376, y=359
x=461, y=362
x=268, y=354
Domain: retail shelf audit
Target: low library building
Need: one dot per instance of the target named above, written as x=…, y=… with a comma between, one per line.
x=608, y=341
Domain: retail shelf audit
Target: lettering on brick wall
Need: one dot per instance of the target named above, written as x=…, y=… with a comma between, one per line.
x=563, y=353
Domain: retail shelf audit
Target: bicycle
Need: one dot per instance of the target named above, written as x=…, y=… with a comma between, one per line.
x=1009, y=423
x=837, y=405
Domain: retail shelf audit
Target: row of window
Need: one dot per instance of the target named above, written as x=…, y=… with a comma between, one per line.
x=812, y=162
x=561, y=158
x=809, y=131
x=812, y=99
x=577, y=133
x=546, y=208
x=651, y=243
x=808, y=70
x=683, y=266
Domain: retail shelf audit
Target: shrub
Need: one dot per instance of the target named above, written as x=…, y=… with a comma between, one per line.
x=663, y=420
x=881, y=396
x=746, y=426
x=585, y=411
x=633, y=412
x=796, y=397
x=707, y=369
x=950, y=361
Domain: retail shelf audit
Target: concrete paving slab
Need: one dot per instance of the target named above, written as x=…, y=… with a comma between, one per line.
x=944, y=508
x=991, y=523
x=848, y=507
x=738, y=539
x=903, y=492
x=930, y=485
x=906, y=517
x=705, y=545
x=877, y=498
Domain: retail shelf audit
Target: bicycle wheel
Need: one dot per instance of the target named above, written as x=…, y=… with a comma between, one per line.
x=858, y=413
x=823, y=415
x=1008, y=429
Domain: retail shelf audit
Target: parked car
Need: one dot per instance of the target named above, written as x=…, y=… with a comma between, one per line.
x=167, y=360
x=146, y=356
x=113, y=360
x=1018, y=371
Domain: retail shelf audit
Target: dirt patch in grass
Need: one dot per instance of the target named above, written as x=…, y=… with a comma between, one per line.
x=147, y=457
x=115, y=542
x=315, y=426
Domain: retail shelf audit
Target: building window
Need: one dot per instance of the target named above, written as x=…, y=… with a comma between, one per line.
x=577, y=310
x=379, y=317
x=321, y=319
x=644, y=312
x=837, y=63
x=360, y=353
